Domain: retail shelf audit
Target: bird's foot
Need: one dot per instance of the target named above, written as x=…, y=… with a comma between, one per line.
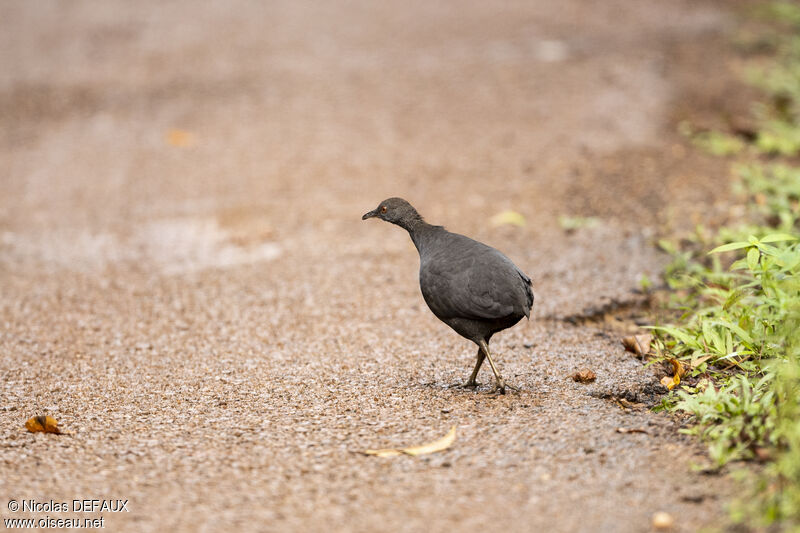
x=467, y=385
x=501, y=386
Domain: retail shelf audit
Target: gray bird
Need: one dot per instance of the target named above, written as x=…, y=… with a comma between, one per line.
x=471, y=287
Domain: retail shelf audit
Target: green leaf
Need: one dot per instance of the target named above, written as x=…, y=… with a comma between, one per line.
x=777, y=237
x=678, y=335
x=752, y=258
x=742, y=334
x=768, y=249
x=712, y=338
x=733, y=299
x=729, y=247
x=728, y=341
x=572, y=223
x=511, y=218
x=739, y=264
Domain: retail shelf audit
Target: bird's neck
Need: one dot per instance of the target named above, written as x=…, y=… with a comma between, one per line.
x=417, y=229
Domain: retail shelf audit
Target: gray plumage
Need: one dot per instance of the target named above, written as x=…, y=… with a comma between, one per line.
x=471, y=287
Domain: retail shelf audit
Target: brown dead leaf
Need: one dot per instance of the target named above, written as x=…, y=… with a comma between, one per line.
x=762, y=454
x=677, y=369
x=632, y=430
x=584, y=376
x=626, y=404
x=179, y=138
x=699, y=361
x=432, y=447
x=669, y=382
x=638, y=344
x=45, y=424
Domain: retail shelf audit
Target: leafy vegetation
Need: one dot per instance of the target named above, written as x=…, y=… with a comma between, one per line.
x=739, y=327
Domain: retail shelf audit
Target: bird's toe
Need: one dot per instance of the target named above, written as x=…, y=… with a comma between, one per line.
x=466, y=385
x=500, y=388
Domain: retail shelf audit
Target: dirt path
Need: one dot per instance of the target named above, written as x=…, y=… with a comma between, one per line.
x=208, y=314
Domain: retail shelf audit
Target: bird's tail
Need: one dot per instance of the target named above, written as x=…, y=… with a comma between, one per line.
x=528, y=292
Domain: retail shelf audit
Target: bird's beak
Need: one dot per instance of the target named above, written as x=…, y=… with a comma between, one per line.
x=371, y=214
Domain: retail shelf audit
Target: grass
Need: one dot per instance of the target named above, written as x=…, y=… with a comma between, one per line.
x=736, y=296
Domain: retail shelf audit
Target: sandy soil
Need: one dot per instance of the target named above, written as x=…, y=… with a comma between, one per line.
x=187, y=285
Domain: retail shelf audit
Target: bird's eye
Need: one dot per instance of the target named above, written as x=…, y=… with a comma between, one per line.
x=383, y=209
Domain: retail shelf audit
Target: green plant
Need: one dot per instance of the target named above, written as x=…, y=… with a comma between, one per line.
x=738, y=418
x=737, y=307
x=739, y=337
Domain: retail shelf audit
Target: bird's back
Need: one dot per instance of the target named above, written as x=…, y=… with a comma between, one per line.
x=461, y=278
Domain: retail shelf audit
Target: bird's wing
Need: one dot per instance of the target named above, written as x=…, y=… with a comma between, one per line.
x=481, y=284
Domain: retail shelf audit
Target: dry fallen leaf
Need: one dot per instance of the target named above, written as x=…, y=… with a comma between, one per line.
x=632, y=430
x=678, y=369
x=638, y=344
x=762, y=454
x=678, y=372
x=181, y=138
x=584, y=376
x=699, y=361
x=668, y=382
x=662, y=520
x=507, y=218
x=622, y=403
x=46, y=424
x=435, y=446
x=625, y=404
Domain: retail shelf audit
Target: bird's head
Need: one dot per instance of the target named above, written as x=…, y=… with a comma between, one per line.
x=395, y=210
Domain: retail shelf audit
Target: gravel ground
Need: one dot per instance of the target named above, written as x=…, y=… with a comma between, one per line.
x=188, y=287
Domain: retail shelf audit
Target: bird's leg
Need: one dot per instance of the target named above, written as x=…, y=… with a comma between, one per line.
x=479, y=361
x=471, y=383
x=499, y=385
